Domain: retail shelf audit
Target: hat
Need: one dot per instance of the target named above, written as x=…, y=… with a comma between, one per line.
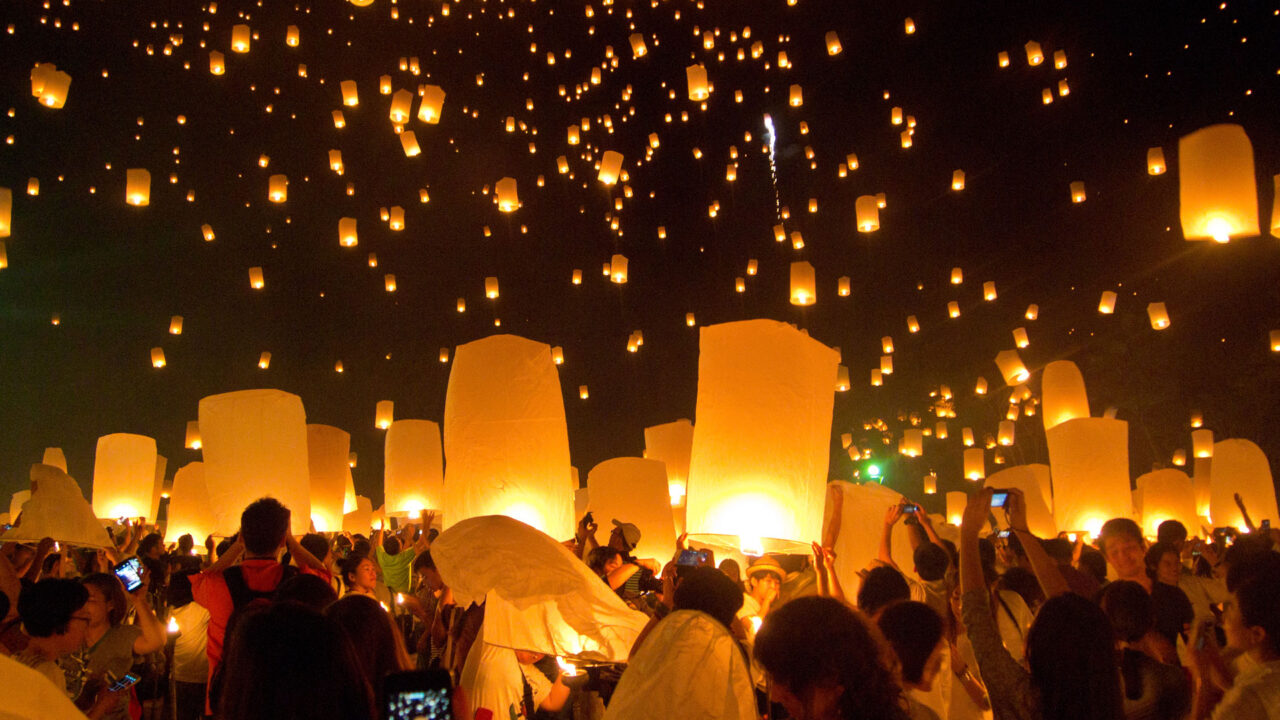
x=766, y=563
x=630, y=532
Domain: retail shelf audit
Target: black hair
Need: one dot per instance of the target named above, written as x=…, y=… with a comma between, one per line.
x=931, y=562
x=185, y=543
x=316, y=544
x=422, y=561
x=224, y=546
x=1132, y=615
x=373, y=635
x=109, y=585
x=882, y=587
x=819, y=641
x=150, y=541
x=914, y=630
x=1155, y=552
x=1256, y=598
x=1057, y=548
x=1023, y=582
x=1072, y=657
x=390, y=544
x=709, y=590
x=349, y=567
x=46, y=607
x=987, y=555
x=1171, y=531
x=732, y=570
x=263, y=525
x=179, y=591
x=598, y=557
x=1093, y=563
x=307, y=589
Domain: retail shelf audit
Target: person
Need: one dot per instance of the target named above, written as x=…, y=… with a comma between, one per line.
x=289, y=662
x=29, y=695
x=733, y=571
x=504, y=683
x=111, y=644
x=1153, y=690
x=151, y=546
x=1122, y=544
x=1082, y=584
x=915, y=632
x=1173, y=610
x=968, y=695
x=307, y=589
x=394, y=558
x=1070, y=647
x=881, y=587
x=55, y=619
x=360, y=576
x=425, y=605
x=321, y=549
x=190, y=650
x=764, y=584
x=376, y=639
x=928, y=555
x=826, y=661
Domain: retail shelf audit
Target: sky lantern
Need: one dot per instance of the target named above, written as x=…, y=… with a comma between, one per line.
x=953, y=309
x=635, y=490
x=843, y=286
x=975, y=466
x=856, y=542
x=911, y=443
x=6, y=212
x=291, y=36
x=833, y=43
x=175, y=325
x=618, y=269
x=1077, y=191
x=610, y=167
x=803, y=284
x=796, y=96
x=255, y=278
x=191, y=439
x=278, y=188
x=157, y=357
x=264, y=361
x=50, y=85
x=491, y=288
x=384, y=84
x=350, y=95
x=137, y=187
x=842, y=379
x=1240, y=466
x=189, y=510
x=1033, y=312
x=124, y=470
x=506, y=443
x=1005, y=433
x=1155, y=161
x=401, y=106
x=758, y=466
x=1011, y=367
x=1164, y=495
x=966, y=436
x=217, y=63
x=505, y=191
x=1159, y=315
x=562, y=165
x=1035, y=55
x=206, y=231
x=638, y=48
x=409, y=143
x=395, y=218
x=573, y=135
x=867, y=210
x=913, y=325
x=1034, y=482
x=1062, y=393
x=1089, y=460
x=1179, y=457
x=696, y=75
x=432, y=105
x=339, y=120
x=957, y=180
x=930, y=484
x=413, y=468
x=1202, y=443
x=1107, y=304
x=240, y=38
x=383, y=414
x=989, y=290
x=327, y=450
x=886, y=364
x=1217, y=191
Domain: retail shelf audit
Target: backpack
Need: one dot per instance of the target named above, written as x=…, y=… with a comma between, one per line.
x=244, y=600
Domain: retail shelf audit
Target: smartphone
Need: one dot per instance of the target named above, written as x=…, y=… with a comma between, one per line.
x=1004, y=533
x=130, y=573
x=116, y=684
x=417, y=695
x=998, y=499
x=690, y=558
x=1265, y=526
x=910, y=508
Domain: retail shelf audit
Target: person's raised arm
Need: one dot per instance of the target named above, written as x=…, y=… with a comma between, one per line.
x=927, y=523
x=423, y=543
x=300, y=554
x=971, y=523
x=10, y=585
x=555, y=701
x=153, y=631
x=230, y=556
x=37, y=562
x=1248, y=522
x=891, y=518
x=820, y=569
x=586, y=536
x=1046, y=570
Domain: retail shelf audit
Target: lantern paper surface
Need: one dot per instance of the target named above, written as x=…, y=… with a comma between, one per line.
x=1240, y=466
x=506, y=443
x=255, y=445
x=634, y=490
x=57, y=509
x=853, y=520
x=1217, y=190
x=761, y=444
x=956, y=502
x=327, y=450
x=975, y=463
x=157, y=487
x=672, y=443
x=1165, y=495
x=359, y=519
x=55, y=457
x=1033, y=481
x=413, y=467
x=189, y=508
x=1089, y=459
x=124, y=471
x=1062, y=391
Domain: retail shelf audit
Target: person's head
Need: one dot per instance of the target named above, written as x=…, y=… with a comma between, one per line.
x=307, y=589
x=151, y=546
x=1023, y=582
x=882, y=587
x=915, y=632
x=318, y=545
x=1092, y=562
x=53, y=610
x=263, y=525
x=289, y=661
x=361, y=546
x=1172, y=532
x=178, y=593
x=51, y=562
x=1129, y=610
x=732, y=570
x=185, y=544
x=374, y=636
x=390, y=544
x=359, y=573
x=1059, y=549
x=709, y=590
x=765, y=576
x=826, y=660
x=931, y=562
x=107, y=600
x=1121, y=543
x=425, y=567
x=1251, y=619
x=224, y=545
x=604, y=560
x=1164, y=563
x=625, y=536
x=1072, y=657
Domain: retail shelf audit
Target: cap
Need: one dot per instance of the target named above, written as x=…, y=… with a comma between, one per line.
x=766, y=563
x=629, y=531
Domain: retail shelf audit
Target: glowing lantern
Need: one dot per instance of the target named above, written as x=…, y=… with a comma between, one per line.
x=395, y=218
x=912, y=442
x=137, y=187
x=1202, y=443
x=217, y=63
x=833, y=43
x=1005, y=432
x=6, y=212
x=638, y=48
x=989, y=290
x=240, y=37
x=1020, y=338
x=796, y=96
x=940, y=430
x=432, y=105
x=636, y=490
x=1033, y=312
x=254, y=440
x=895, y=116
x=264, y=361
x=953, y=309
x=255, y=278
x=1239, y=466
x=842, y=286
x=1034, y=55
x=327, y=451
x=583, y=393
x=877, y=377
x=491, y=288
x=124, y=470
x=350, y=96
x=175, y=325
x=157, y=357
x=1217, y=192
x=1275, y=341
x=758, y=465
x=618, y=269
x=1164, y=495
x=1179, y=457
x=803, y=284
x=868, y=213
x=957, y=180
x=50, y=85
x=930, y=484
x=191, y=440
x=913, y=325
x=508, y=199
x=1155, y=161
x=189, y=510
x=1159, y=315
x=413, y=475
x=291, y=36
x=1034, y=482
x=33, y=186
x=505, y=438
x=278, y=188
x=1063, y=393
x=409, y=142
x=696, y=75
x=401, y=106
x=573, y=136
x=966, y=436
x=339, y=121
x=576, y=277
x=907, y=136
x=1197, y=419
x=384, y=414
x=610, y=167
x=975, y=466
x=1011, y=367
x=562, y=165
x=1077, y=191
x=842, y=379
x=1107, y=304
x=206, y=230
x=886, y=364
x=1089, y=459
x=1002, y=59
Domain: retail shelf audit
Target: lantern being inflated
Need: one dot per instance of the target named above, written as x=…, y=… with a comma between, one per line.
x=1217, y=191
x=189, y=510
x=327, y=451
x=1063, y=392
x=1089, y=459
x=634, y=490
x=413, y=468
x=124, y=470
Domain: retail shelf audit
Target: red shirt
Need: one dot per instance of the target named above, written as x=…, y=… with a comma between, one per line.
x=209, y=589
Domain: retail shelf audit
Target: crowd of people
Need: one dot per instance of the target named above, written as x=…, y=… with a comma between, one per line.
x=1001, y=624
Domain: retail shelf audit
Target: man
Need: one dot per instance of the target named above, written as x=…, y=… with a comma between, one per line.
x=54, y=617
x=1252, y=625
x=764, y=584
x=1121, y=543
x=392, y=556
x=929, y=556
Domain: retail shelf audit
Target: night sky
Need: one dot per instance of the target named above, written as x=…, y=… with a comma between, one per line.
x=1140, y=74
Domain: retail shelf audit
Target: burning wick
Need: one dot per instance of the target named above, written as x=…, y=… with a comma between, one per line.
x=755, y=623
x=567, y=668
x=399, y=598
x=173, y=626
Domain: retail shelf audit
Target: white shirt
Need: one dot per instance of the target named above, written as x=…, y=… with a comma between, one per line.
x=1254, y=696
x=190, y=661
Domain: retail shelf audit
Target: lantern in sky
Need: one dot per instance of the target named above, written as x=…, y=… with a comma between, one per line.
x=1155, y=161
x=491, y=288
x=240, y=38
x=291, y=36
x=610, y=167
x=1164, y=495
x=953, y=309
x=1063, y=393
x=401, y=106
x=1033, y=312
x=635, y=490
x=347, y=236
x=1217, y=191
x=505, y=437
x=278, y=188
x=1011, y=367
x=758, y=466
x=1035, y=55
x=189, y=510
x=124, y=471
x=975, y=466
x=1202, y=443
x=508, y=199
x=1077, y=191
x=912, y=442
x=157, y=357
x=413, y=468
x=842, y=379
x=1089, y=459
x=696, y=75
x=1240, y=466
x=217, y=63
x=264, y=361
x=191, y=440
x=432, y=104
x=409, y=143
x=350, y=96
x=6, y=212
x=255, y=443
x=867, y=210
x=1020, y=339
x=50, y=85
x=803, y=284
x=583, y=392
x=833, y=43
x=638, y=48
x=1159, y=315
x=327, y=450
x=175, y=325
x=384, y=414
x=137, y=187
x=1107, y=304
x=989, y=290
x=1005, y=433
x=618, y=269
x=796, y=96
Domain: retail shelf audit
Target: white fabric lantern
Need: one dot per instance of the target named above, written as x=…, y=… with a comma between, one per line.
x=1063, y=393
x=124, y=472
x=1217, y=189
x=1089, y=459
x=1033, y=481
x=327, y=450
x=413, y=468
x=634, y=490
x=189, y=508
x=57, y=509
x=54, y=456
x=852, y=525
x=1240, y=466
x=359, y=519
x=1165, y=495
x=672, y=443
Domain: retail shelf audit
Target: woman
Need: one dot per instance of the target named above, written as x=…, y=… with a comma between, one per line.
x=111, y=644
x=360, y=576
x=377, y=641
x=1152, y=689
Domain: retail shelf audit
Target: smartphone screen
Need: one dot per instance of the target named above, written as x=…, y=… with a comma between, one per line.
x=909, y=508
x=118, y=684
x=689, y=558
x=129, y=573
x=999, y=499
x=417, y=695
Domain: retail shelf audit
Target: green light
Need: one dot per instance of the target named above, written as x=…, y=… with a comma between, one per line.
x=873, y=470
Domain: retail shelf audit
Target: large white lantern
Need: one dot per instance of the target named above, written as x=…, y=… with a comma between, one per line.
x=1165, y=495
x=1063, y=393
x=189, y=509
x=413, y=468
x=634, y=490
x=1240, y=466
x=124, y=473
x=1033, y=481
x=1089, y=459
x=327, y=450
x=1217, y=190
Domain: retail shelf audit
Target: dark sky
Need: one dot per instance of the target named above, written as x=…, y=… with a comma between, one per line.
x=1141, y=74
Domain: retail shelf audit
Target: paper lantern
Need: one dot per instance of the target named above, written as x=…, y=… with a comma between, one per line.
x=760, y=449
x=1089, y=459
x=610, y=167
x=54, y=457
x=583, y=392
x=6, y=212
x=359, y=519
x=137, y=187
x=401, y=106
x=957, y=180
x=638, y=48
x=505, y=437
x=877, y=377
x=1159, y=315
x=339, y=121
x=618, y=269
x=1239, y=466
x=953, y=309
x=1155, y=161
x=635, y=490
x=843, y=286
x=413, y=468
x=217, y=63
x=907, y=138
x=189, y=507
x=957, y=276
x=255, y=278
x=1274, y=338
x=1011, y=367
x=842, y=379
x=1035, y=55
x=327, y=451
x=1201, y=485
x=886, y=364
x=1034, y=482
x=1217, y=191
x=833, y=43
x=1062, y=391
x=1164, y=495
x=911, y=443
x=1202, y=443
x=866, y=207
x=54, y=508
x=803, y=284
x=562, y=165
x=383, y=414
x=1179, y=457
x=278, y=188
x=974, y=462
x=505, y=191
x=157, y=356
x=491, y=288
x=432, y=105
x=930, y=484
x=1033, y=312
x=699, y=89
x=350, y=96
x=1077, y=191
x=1005, y=433
x=940, y=430
x=1107, y=304
x=1197, y=419
x=796, y=96
x=573, y=136
x=50, y=85
x=264, y=360
x=857, y=542
x=124, y=469
x=291, y=36
x=1275, y=207
x=240, y=38
x=191, y=439
x=1020, y=338
x=409, y=143
x=255, y=444
x=444, y=355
